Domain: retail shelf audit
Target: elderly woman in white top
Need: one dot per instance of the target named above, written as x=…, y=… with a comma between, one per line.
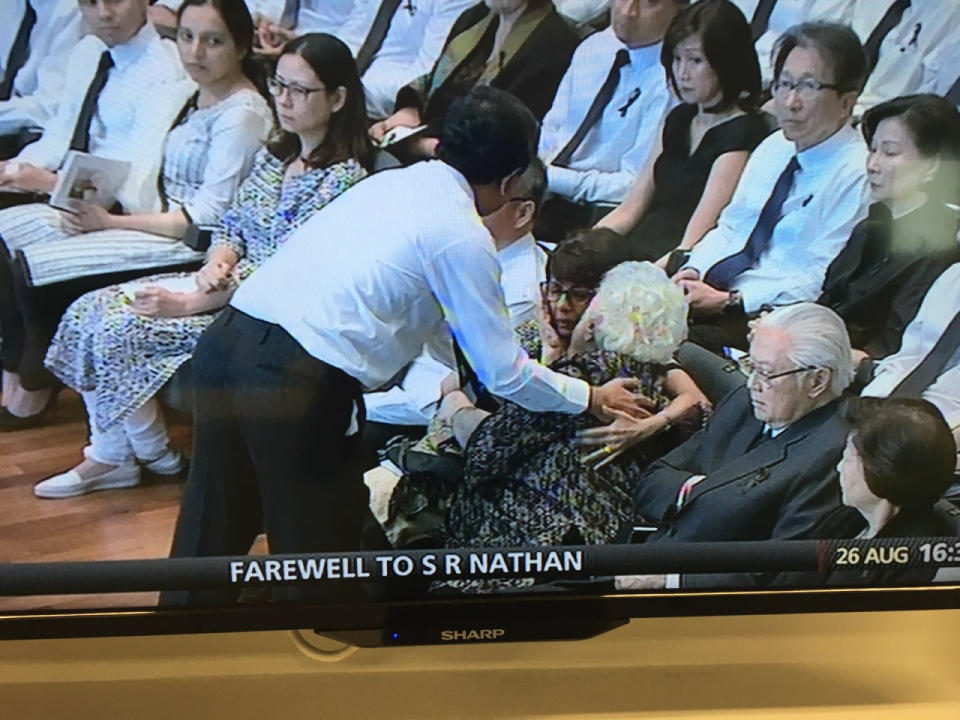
x=209, y=150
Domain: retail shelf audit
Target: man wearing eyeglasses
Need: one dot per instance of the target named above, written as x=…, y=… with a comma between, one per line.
x=801, y=193
x=760, y=470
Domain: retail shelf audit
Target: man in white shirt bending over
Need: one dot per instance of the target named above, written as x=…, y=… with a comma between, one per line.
x=801, y=193
x=34, y=47
x=124, y=86
x=406, y=409
x=397, y=262
x=605, y=117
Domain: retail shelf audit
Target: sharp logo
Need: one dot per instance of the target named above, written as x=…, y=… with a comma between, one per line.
x=486, y=634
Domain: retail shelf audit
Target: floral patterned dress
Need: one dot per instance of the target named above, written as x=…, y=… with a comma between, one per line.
x=102, y=345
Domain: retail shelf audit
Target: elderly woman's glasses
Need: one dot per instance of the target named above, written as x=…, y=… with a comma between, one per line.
x=807, y=88
x=554, y=291
x=299, y=93
x=749, y=368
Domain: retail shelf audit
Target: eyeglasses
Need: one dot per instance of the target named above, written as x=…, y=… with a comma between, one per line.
x=807, y=88
x=299, y=93
x=749, y=368
x=554, y=291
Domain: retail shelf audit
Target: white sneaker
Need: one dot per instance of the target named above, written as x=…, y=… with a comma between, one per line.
x=70, y=484
x=170, y=463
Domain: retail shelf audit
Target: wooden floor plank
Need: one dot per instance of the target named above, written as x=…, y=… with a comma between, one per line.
x=117, y=524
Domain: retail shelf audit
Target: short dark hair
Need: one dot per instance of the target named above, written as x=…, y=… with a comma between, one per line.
x=488, y=135
x=534, y=181
x=934, y=125
x=346, y=138
x=837, y=44
x=727, y=44
x=906, y=447
x=236, y=16
x=584, y=257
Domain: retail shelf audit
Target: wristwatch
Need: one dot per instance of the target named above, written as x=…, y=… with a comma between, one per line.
x=734, y=300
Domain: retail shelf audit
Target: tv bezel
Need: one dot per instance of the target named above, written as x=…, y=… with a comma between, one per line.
x=528, y=618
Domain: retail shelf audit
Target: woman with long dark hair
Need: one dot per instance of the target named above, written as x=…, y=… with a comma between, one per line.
x=207, y=153
x=711, y=64
x=119, y=345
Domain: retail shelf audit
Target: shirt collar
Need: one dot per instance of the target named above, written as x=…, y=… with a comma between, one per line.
x=516, y=248
x=825, y=151
x=772, y=431
x=644, y=57
x=127, y=52
x=455, y=175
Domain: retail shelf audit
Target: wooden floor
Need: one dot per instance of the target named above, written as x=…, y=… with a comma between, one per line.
x=115, y=524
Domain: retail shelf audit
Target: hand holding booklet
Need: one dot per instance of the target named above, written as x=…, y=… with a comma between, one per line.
x=89, y=178
x=398, y=133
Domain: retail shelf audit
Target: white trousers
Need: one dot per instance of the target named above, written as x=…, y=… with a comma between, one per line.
x=141, y=436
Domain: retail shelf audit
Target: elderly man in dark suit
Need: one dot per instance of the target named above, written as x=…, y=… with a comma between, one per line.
x=760, y=470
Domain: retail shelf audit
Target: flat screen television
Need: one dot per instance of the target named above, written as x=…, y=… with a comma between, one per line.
x=562, y=540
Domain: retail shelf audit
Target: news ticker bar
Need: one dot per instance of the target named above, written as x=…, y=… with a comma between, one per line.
x=554, y=562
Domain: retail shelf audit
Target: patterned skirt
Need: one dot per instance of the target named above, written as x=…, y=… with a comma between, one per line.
x=102, y=345
x=54, y=255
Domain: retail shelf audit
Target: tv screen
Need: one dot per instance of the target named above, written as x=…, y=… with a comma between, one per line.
x=442, y=321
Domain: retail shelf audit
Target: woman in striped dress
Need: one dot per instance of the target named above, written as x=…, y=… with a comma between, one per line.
x=209, y=150
x=118, y=346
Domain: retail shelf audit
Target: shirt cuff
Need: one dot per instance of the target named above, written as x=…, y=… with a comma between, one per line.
x=578, y=393
x=562, y=181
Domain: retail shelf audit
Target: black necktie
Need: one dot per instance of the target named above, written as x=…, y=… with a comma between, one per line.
x=723, y=272
x=891, y=18
x=953, y=94
x=81, y=131
x=377, y=34
x=764, y=435
x=924, y=374
x=19, y=52
x=761, y=18
x=290, y=13
x=596, y=108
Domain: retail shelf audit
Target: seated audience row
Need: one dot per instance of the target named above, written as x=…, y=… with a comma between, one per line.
x=217, y=130
x=118, y=353
x=280, y=373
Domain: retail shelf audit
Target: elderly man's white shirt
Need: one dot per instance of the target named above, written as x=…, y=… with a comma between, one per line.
x=413, y=402
x=606, y=164
x=828, y=197
x=410, y=49
x=939, y=306
x=390, y=266
x=40, y=82
x=129, y=123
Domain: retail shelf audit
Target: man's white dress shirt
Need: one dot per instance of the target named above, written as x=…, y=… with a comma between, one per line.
x=939, y=306
x=828, y=197
x=945, y=67
x=786, y=14
x=325, y=16
x=906, y=62
x=381, y=271
x=606, y=164
x=522, y=267
x=413, y=43
x=145, y=91
x=39, y=83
